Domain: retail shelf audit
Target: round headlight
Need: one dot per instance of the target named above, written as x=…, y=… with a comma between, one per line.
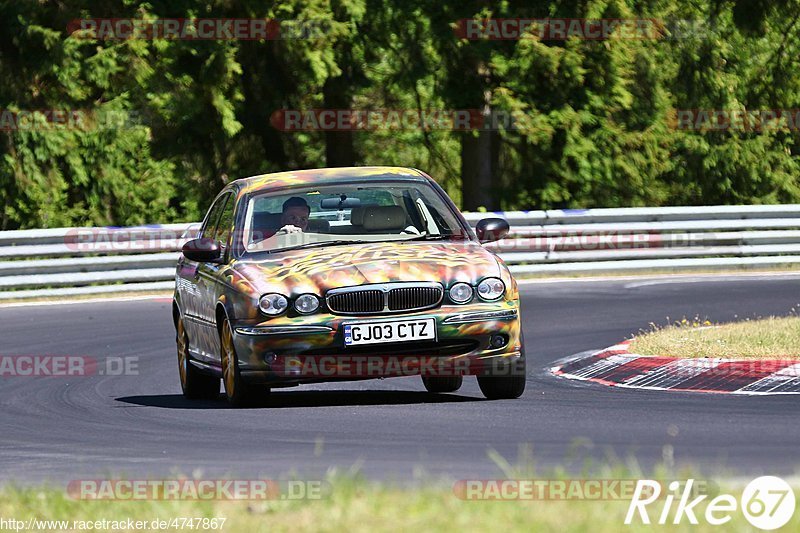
x=306, y=304
x=273, y=304
x=461, y=293
x=491, y=289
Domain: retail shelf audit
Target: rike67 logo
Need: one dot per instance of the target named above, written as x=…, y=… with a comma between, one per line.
x=767, y=502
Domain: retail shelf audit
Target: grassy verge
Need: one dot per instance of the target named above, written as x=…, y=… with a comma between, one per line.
x=360, y=506
x=766, y=338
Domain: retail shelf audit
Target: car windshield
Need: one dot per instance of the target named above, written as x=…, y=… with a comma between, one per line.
x=348, y=213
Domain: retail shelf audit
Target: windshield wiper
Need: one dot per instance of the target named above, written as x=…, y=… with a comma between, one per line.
x=439, y=237
x=317, y=244
x=340, y=242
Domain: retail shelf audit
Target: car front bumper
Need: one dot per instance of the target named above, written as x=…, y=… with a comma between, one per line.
x=292, y=350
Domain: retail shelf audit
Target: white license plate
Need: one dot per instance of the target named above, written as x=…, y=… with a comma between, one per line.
x=420, y=329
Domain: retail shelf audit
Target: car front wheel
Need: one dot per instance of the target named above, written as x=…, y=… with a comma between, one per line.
x=238, y=392
x=505, y=387
x=509, y=379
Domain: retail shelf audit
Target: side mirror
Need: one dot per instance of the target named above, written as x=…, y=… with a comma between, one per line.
x=492, y=229
x=202, y=250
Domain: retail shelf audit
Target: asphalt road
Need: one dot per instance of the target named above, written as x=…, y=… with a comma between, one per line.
x=61, y=428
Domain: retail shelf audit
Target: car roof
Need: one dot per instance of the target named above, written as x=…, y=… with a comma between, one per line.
x=325, y=176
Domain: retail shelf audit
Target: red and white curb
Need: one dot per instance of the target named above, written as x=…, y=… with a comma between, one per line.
x=616, y=366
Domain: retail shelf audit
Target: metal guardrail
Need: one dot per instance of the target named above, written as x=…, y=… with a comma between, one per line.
x=70, y=261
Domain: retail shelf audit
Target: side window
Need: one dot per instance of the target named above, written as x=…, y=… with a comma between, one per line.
x=210, y=223
x=225, y=224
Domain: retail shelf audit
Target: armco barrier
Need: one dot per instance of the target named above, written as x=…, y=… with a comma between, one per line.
x=72, y=261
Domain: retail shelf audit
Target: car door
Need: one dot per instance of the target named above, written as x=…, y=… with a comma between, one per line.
x=188, y=276
x=209, y=282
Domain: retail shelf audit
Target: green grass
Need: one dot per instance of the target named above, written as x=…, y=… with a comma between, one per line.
x=354, y=504
x=765, y=338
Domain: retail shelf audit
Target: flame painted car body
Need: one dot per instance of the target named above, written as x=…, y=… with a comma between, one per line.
x=223, y=331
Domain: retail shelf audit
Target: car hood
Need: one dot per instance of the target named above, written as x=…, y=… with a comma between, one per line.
x=316, y=270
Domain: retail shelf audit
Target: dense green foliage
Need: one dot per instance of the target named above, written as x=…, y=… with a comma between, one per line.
x=165, y=123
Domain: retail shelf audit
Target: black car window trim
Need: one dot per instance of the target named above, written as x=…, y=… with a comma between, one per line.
x=214, y=213
x=230, y=220
x=239, y=250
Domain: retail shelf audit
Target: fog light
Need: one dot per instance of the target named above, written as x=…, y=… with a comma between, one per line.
x=293, y=366
x=498, y=341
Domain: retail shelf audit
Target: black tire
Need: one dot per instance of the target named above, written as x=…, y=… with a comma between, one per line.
x=511, y=383
x=238, y=392
x=442, y=384
x=194, y=383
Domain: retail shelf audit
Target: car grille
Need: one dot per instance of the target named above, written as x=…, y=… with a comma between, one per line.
x=357, y=302
x=405, y=298
x=384, y=298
